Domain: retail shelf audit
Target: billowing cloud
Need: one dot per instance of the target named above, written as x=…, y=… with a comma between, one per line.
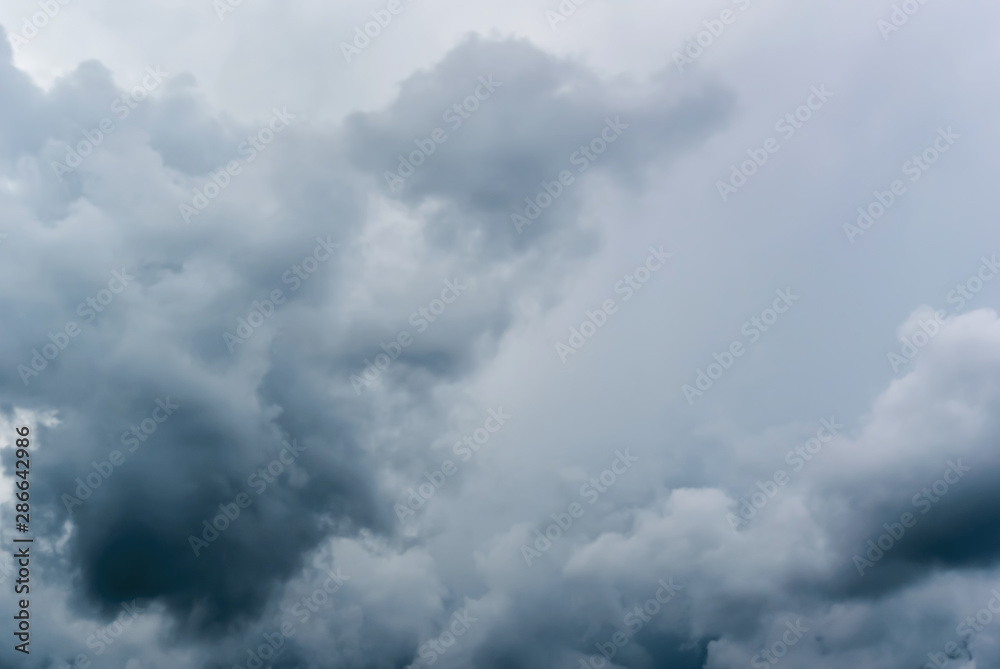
x=286, y=329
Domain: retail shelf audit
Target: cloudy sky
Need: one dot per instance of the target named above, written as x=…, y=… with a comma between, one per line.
x=501, y=335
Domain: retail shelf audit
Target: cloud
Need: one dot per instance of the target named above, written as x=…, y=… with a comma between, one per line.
x=251, y=244
x=187, y=284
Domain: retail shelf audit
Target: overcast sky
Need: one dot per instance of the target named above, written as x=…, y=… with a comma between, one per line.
x=502, y=335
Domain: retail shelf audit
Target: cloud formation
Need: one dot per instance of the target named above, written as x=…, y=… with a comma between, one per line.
x=245, y=333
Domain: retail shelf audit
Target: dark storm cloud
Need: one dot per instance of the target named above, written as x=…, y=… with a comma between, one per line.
x=162, y=335
x=161, y=339
x=954, y=531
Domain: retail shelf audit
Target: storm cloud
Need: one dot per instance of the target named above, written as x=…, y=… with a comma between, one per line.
x=290, y=331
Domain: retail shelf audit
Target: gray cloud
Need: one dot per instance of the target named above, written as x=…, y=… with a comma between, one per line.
x=161, y=336
x=312, y=219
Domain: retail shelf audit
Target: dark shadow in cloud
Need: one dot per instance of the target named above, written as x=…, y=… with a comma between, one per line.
x=959, y=532
x=130, y=539
x=132, y=533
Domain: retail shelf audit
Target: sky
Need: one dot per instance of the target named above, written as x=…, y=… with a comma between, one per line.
x=502, y=335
